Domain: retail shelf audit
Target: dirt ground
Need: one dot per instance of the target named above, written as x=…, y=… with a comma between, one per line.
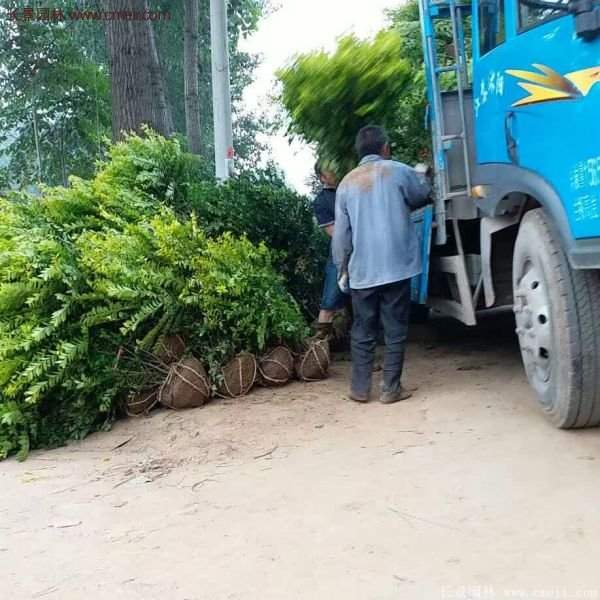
x=464, y=491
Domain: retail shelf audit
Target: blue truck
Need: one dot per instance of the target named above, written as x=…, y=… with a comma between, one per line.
x=515, y=123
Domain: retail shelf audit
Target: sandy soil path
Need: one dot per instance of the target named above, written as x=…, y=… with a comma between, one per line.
x=464, y=491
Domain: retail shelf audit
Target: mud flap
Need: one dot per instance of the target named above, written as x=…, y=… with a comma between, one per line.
x=423, y=221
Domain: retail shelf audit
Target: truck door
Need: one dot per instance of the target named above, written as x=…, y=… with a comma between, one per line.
x=553, y=86
x=490, y=56
x=537, y=98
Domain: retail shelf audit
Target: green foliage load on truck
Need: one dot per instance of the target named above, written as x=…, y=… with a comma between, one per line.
x=329, y=97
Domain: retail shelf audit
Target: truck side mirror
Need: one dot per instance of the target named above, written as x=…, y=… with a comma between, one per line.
x=587, y=18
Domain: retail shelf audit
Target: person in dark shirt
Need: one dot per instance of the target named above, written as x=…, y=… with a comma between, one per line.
x=333, y=299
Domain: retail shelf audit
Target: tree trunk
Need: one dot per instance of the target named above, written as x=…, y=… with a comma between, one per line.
x=162, y=108
x=63, y=167
x=190, y=76
x=136, y=79
x=36, y=139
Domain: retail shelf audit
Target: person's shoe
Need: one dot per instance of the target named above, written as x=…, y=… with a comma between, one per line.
x=391, y=397
x=356, y=397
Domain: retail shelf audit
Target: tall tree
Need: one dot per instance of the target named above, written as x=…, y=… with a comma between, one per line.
x=243, y=17
x=162, y=109
x=55, y=89
x=54, y=99
x=138, y=90
x=190, y=76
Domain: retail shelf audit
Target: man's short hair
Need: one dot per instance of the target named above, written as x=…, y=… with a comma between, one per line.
x=371, y=140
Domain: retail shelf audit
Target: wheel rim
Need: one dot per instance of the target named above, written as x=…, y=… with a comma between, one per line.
x=534, y=324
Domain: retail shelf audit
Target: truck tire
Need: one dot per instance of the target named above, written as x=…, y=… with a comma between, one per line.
x=557, y=312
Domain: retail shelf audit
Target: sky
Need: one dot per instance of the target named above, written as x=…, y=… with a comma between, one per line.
x=296, y=27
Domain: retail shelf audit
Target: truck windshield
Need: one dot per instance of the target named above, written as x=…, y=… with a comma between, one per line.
x=535, y=12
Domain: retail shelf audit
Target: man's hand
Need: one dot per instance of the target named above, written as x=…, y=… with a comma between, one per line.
x=329, y=230
x=423, y=169
x=343, y=283
x=417, y=186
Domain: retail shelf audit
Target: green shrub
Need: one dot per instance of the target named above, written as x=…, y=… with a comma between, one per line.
x=145, y=171
x=46, y=352
x=243, y=302
x=71, y=299
x=166, y=276
x=155, y=168
x=266, y=211
x=368, y=82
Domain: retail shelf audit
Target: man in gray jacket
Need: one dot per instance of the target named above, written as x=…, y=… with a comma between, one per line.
x=375, y=237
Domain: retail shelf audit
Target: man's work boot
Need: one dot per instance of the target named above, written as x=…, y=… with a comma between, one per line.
x=357, y=397
x=391, y=397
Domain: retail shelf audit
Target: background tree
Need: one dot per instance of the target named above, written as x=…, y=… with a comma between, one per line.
x=413, y=140
x=409, y=131
x=190, y=60
x=138, y=89
x=54, y=100
x=55, y=87
x=243, y=19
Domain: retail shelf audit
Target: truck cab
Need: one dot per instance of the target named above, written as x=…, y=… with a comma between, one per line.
x=515, y=122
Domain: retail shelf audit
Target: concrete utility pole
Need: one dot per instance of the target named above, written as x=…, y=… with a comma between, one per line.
x=221, y=93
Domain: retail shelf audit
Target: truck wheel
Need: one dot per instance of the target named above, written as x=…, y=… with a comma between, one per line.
x=557, y=311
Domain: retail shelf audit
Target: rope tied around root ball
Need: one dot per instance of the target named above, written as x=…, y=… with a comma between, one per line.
x=243, y=360
x=275, y=369
x=141, y=403
x=317, y=357
x=182, y=371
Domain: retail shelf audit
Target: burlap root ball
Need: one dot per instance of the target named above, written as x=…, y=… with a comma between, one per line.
x=186, y=386
x=276, y=367
x=142, y=402
x=170, y=348
x=239, y=375
x=313, y=365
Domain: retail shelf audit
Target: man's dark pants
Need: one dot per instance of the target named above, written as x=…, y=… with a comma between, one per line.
x=390, y=305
